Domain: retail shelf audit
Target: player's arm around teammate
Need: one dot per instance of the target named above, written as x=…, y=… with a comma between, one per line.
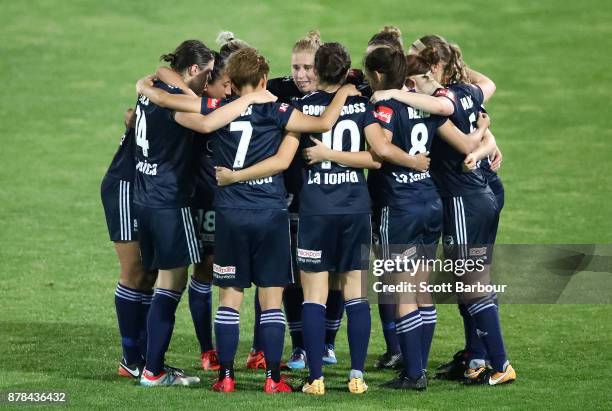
x=189, y=107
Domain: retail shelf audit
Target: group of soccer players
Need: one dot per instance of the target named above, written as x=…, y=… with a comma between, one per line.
x=261, y=181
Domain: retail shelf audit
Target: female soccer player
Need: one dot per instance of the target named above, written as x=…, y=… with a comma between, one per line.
x=162, y=197
x=133, y=292
x=303, y=80
x=200, y=292
x=412, y=215
x=469, y=198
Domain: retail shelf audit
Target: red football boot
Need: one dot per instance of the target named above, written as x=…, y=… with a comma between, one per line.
x=271, y=387
x=256, y=361
x=210, y=361
x=227, y=384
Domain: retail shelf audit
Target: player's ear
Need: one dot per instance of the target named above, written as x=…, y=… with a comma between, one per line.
x=193, y=70
x=263, y=83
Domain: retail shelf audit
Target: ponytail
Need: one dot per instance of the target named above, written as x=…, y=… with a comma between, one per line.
x=456, y=70
x=188, y=53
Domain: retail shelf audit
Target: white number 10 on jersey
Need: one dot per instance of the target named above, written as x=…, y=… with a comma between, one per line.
x=337, y=133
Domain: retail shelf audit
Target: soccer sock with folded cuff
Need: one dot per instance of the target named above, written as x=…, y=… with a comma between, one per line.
x=227, y=331
x=293, y=297
x=387, y=319
x=410, y=334
x=257, y=343
x=358, y=328
x=313, y=329
x=145, y=305
x=128, y=307
x=272, y=329
x=160, y=325
x=200, y=306
x=489, y=330
x=429, y=317
x=333, y=315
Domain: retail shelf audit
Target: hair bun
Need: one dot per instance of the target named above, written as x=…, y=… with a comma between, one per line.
x=314, y=35
x=395, y=31
x=224, y=37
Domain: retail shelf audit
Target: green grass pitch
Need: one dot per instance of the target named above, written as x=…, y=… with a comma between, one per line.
x=68, y=70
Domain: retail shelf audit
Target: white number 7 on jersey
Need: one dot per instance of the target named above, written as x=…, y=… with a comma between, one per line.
x=246, y=129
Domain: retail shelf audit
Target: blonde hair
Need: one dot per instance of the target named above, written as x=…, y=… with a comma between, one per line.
x=310, y=43
x=228, y=43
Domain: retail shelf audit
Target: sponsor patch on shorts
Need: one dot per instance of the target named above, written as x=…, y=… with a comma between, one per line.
x=475, y=252
x=227, y=272
x=308, y=253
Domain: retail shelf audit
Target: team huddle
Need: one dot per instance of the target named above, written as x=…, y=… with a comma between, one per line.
x=262, y=181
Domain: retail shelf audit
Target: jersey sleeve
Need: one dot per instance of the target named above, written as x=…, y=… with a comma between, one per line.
x=438, y=121
x=385, y=115
x=447, y=93
x=370, y=115
x=478, y=94
x=209, y=105
x=280, y=113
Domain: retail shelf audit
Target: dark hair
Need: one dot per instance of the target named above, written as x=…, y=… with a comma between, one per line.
x=390, y=63
x=228, y=44
x=455, y=69
x=188, y=53
x=421, y=63
x=218, y=68
x=246, y=67
x=388, y=36
x=332, y=62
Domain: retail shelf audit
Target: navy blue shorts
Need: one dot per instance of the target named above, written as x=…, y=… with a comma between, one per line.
x=411, y=231
x=167, y=237
x=205, y=230
x=119, y=209
x=333, y=242
x=498, y=189
x=470, y=226
x=205, y=215
x=252, y=247
x=294, y=221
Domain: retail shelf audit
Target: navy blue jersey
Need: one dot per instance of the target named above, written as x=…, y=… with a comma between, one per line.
x=357, y=78
x=251, y=138
x=122, y=166
x=446, y=162
x=164, y=157
x=287, y=92
x=413, y=131
x=284, y=88
x=204, y=171
x=330, y=188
